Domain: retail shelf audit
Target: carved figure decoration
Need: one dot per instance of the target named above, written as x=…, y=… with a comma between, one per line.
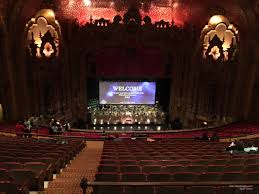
x=220, y=39
x=43, y=35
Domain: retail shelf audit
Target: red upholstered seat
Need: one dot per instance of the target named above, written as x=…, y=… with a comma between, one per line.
x=200, y=190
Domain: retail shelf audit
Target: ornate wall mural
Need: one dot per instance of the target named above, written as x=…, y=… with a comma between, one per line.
x=220, y=39
x=43, y=34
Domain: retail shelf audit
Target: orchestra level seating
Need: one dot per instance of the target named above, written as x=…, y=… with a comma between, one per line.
x=171, y=160
x=26, y=163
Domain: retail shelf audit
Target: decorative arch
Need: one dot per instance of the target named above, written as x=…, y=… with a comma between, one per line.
x=220, y=39
x=43, y=35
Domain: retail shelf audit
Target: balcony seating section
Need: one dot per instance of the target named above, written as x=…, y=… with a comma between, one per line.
x=175, y=160
x=26, y=163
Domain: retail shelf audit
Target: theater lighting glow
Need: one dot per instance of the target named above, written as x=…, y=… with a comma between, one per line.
x=87, y=2
x=216, y=19
x=83, y=10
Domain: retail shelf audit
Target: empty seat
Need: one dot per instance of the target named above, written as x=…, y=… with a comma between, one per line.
x=183, y=162
x=252, y=168
x=128, y=162
x=234, y=168
x=185, y=176
x=11, y=165
x=200, y=162
x=26, y=177
x=218, y=162
x=210, y=176
x=159, y=177
x=139, y=190
x=170, y=190
x=108, y=162
x=236, y=162
x=133, y=177
x=232, y=176
x=105, y=176
x=252, y=161
x=151, y=168
x=108, y=168
x=12, y=188
x=200, y=190
x=130, y=168
x=24, y=159
x=225, y=190
x=216, y=168
x=166, y=162
x=174, y=168
x=252, y=176
x=40, y=169
x=7, y=158
x=196, y=168
x=147, y=162
x=107, y=189
x=4, y=175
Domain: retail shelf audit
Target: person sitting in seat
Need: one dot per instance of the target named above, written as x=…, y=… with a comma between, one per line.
x=117, y=138
x=19, y=129
x=205, y=137
x=27, y=124
x=250, y=148
x=214, y=137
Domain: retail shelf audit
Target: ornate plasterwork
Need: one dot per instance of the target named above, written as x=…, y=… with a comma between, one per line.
x=43, y=34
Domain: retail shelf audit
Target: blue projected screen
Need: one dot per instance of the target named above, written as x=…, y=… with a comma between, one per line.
x=127, y=92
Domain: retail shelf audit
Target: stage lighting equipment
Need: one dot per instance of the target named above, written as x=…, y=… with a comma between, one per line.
x=158, y=128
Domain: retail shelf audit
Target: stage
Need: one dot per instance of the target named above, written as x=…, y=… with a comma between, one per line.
x=129, y=128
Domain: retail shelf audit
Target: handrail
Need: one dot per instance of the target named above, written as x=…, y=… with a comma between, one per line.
x=42, y=135
x=245, y=184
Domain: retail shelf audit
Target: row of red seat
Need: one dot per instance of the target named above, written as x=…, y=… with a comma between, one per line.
x=179, y=176
x=178, y=168
x=248, y=189
x=26, y=163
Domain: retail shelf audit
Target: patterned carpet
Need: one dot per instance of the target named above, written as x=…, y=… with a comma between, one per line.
x=84, y=165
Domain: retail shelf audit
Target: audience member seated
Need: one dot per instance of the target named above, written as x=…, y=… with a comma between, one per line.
x=214, y=137
x=204, y=137
x=28, y=126
x=117, y=138
x=19, y=129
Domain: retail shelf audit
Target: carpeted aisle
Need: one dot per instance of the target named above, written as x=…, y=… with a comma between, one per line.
x=84, y=165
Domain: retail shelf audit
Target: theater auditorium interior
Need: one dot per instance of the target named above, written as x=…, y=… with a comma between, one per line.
x=129, y=97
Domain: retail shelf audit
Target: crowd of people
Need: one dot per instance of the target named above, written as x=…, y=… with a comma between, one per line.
x=25, y=127
x=56, y=127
